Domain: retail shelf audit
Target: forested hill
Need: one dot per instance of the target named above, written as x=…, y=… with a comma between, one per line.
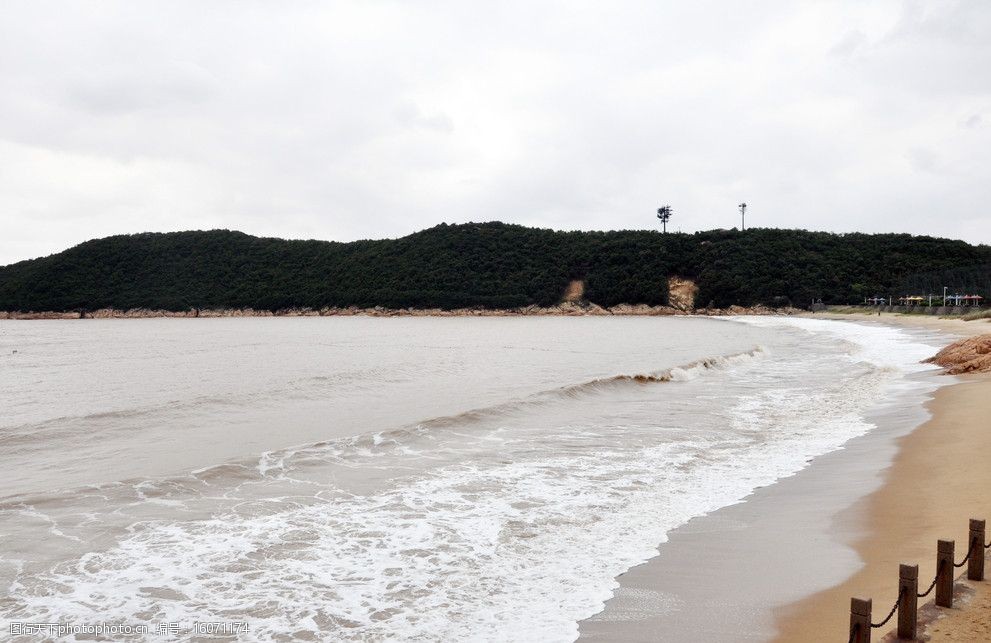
x=491, y=265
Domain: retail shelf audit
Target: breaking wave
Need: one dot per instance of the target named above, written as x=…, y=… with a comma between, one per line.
x=683, y=373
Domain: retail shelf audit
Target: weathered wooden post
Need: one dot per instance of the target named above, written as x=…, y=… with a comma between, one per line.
x=908, y=601
x=860, y=620
x=944, y=573
x=975, y=567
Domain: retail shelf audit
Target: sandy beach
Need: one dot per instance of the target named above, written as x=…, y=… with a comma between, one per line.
x=970, y=620
x=938, y=480
x=953, y=327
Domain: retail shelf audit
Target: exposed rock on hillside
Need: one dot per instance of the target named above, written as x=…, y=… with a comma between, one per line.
x=575, y=291
x=681, y=293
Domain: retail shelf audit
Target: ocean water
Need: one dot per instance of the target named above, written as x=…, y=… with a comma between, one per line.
x=397, y=479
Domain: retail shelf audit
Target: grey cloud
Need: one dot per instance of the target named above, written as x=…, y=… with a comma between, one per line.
x=348, y=119
x=972, y=121
x=850, y=43
x=173, y=84
x=923, y=159
x=409, y=114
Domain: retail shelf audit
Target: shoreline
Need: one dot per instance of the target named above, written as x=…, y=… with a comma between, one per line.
x=816, y=516
x=936, y=482
x=954, y=324
x=723, y=576
x=916, y=504
x=568, y=309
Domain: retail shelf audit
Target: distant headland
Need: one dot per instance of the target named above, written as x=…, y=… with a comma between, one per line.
x=485, y=268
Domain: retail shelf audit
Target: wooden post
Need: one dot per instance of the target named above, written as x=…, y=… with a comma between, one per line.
x=975, y=567
x=944, y=573
x=908, y=601
x=860, y=620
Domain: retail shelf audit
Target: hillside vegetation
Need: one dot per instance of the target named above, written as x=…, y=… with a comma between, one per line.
x=492, y=265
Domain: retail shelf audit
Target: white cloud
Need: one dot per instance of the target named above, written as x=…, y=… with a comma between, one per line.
x=347, y=120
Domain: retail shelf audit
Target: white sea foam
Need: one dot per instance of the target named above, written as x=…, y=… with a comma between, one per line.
x=882, y=346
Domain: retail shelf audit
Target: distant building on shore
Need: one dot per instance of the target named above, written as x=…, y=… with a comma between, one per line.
x=930, y=300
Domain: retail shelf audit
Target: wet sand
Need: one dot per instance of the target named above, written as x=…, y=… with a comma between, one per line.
x=720, y=577
x=784, y=564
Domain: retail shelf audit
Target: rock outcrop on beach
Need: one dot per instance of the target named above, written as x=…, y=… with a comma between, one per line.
x=971, y=355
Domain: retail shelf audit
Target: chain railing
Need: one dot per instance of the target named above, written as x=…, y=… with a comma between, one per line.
x=906, y=605
x=932, y=585
x=970, y=550
x=894, y=608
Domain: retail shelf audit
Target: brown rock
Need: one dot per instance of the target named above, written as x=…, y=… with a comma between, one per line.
x=681, y=293
x=971, y=355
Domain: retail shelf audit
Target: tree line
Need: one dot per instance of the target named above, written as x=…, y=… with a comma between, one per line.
x=492, y=265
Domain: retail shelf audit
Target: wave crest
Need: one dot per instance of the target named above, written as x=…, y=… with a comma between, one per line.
x=683, y=373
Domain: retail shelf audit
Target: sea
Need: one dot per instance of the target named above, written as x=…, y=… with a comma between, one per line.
x=405, y=478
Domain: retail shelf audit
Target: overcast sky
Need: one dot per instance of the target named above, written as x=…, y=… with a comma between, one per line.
x=348, y=120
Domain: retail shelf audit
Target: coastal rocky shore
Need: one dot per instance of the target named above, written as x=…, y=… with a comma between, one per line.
x=970, y=355
x=564, y=309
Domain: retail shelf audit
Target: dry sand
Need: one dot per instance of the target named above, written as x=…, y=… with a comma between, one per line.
x=970, y=621
x=950, y=326
x=939, y=478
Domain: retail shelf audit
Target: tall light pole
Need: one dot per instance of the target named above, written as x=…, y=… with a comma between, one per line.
x=743, y=213
x=944, y=295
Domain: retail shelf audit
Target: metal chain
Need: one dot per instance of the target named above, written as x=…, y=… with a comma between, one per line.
x=970, y=550
x=926, y=593
x=894, y=608
x=987, y=546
